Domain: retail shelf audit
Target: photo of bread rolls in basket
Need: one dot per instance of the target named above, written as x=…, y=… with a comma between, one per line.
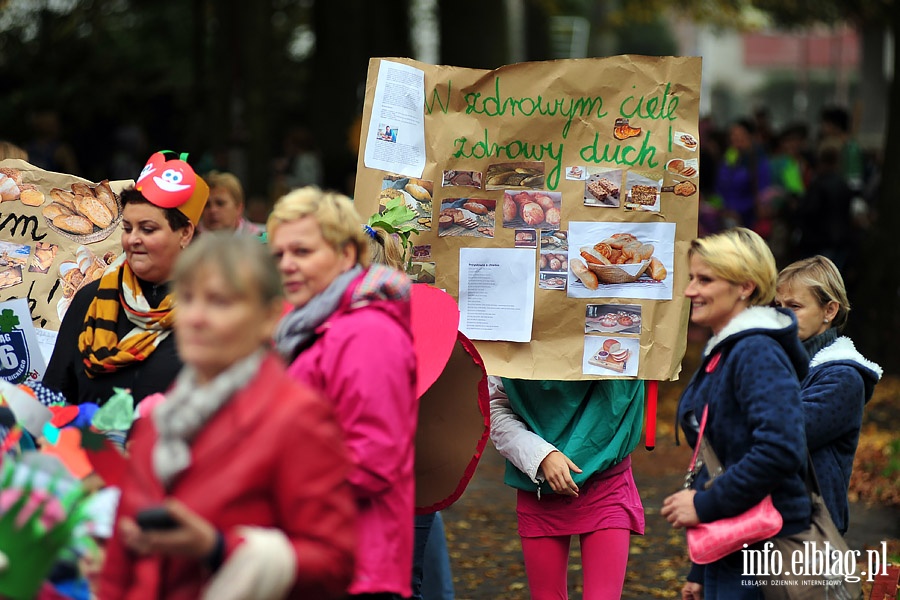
x=620, y=258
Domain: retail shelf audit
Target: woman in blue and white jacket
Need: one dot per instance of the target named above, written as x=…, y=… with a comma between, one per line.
x=840, y=381
x=749, y=378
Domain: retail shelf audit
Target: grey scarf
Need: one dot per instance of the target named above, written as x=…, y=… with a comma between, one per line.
x=299, y=325
x=188, y=407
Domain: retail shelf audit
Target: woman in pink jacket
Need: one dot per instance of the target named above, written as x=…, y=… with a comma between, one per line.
x=349, y=337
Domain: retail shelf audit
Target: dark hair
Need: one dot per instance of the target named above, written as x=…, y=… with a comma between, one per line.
x=748, y=125
x=176, y=219
x=837, y=116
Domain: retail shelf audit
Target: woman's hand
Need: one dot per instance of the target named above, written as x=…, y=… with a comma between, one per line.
x=194, y=538
x=557, y=469
x=692, y=591
x=678, y=509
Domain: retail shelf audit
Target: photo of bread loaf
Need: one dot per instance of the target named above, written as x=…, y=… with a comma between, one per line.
x=532, y=209
x=83, y=212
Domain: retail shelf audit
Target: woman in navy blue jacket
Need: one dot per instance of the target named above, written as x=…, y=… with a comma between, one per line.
x=840, y=381
x=749, y=378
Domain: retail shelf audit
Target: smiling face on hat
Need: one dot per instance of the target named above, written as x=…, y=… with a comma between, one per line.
x=166, y=183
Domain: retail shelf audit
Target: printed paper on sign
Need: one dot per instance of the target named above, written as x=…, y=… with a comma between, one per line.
x=20, y=355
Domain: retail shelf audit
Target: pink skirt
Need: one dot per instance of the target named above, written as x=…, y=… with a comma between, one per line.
x=607, y=500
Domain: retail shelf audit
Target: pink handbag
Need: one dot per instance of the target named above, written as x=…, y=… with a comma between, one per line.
x=709, y=542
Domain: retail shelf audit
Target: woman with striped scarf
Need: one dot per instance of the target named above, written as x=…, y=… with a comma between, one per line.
x=117, y=331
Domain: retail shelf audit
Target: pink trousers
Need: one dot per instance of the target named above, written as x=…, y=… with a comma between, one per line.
x=604, y=557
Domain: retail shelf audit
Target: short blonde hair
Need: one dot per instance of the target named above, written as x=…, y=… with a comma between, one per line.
x=385, y=248
x=823, y=279
x=739, y=255
x=229, y=182
x=337, y=218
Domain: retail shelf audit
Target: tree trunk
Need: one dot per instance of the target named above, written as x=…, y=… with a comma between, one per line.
x=255, y=119
x=345, y=40
x=873, y=86
x=474, y=33
x=880, y=318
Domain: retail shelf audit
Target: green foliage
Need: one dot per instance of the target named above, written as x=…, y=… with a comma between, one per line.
x=399, y=219
x=892, y=470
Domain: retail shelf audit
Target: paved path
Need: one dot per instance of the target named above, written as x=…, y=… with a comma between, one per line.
x=487, y=559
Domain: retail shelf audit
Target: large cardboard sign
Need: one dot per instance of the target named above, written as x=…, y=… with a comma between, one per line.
x=58, y=232
x=588, y=168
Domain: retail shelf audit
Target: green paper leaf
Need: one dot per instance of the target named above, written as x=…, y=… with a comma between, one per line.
x=117, y=414
x=8, y=320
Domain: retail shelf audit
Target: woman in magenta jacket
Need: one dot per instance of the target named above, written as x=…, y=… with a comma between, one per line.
x=220, y=455
x=349, y=337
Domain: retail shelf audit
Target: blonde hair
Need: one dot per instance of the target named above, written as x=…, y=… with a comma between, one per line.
x=244, y=262
x=738, y=256
x=385, y=248
x=823, y=279
x=228, y=181
x=10, y=150
x=337, y=218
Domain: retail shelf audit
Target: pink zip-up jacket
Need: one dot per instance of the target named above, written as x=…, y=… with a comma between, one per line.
x=363, y=360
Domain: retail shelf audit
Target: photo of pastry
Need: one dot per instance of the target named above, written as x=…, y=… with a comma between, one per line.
x=685, y=140
x=612, y=318
x=467, y=217
x=552, y=281
x=576, y=173
x=415, y=193
x=621, y=260
x=514, y=175
x=605, y=355
x=44, y=255
x=540, y=210
x=421, y=253
x=622, y=130
x=602, y=187
x=642, y=193
x=461, y=178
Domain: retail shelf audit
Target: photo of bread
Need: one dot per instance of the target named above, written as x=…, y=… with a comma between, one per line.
x=683, y=167
x=611, y=356
x=514, y=175
x=83, y=213
x=467, y=217
x=44, y=255
x=532, y=210
x=31, y=196
x=416, y=194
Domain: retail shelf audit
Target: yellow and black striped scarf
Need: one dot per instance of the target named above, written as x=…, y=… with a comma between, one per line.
x=101, y=349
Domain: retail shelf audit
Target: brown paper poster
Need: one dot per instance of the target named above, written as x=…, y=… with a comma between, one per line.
x=57, y=233
x=580, y=146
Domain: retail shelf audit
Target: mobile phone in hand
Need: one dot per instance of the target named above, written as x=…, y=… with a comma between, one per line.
x=156, y=518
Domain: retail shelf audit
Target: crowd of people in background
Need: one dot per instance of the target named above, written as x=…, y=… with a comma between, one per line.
x=805, y=188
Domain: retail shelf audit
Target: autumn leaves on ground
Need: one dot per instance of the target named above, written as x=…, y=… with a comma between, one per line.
x=481, y=527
